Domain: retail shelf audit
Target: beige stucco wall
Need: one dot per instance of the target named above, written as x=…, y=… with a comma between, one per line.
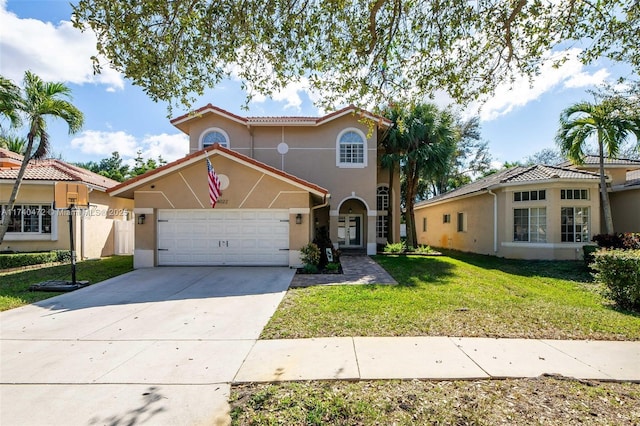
x=478, y=236
x=479, y=212
x=312, y=156
x=625, y=208
x=187, y=188
x=93, y=228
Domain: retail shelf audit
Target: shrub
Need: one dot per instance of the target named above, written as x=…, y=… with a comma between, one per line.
x=626, y=241
x=332, y=266
x=424, y=249
x=587, y=254
x=394, y=248
x=308, y=268
x=310, y=254
x=619, y=271
x=18, y=260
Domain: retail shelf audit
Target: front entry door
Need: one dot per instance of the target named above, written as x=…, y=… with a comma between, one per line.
x=350, y=230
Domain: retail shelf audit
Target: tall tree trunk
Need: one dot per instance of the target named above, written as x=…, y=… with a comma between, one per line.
x=412, y=184
x=390, y=229
x=16, y=187
x=604, y=194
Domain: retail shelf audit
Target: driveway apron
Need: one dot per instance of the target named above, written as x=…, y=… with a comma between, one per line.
x=155, y=345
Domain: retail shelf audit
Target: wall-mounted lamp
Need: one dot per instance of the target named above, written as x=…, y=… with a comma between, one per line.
x=317, y=221
x=141, y=219
x=350, y=210
x=298, y=219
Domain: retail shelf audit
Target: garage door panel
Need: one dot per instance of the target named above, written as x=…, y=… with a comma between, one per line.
x=223, y=237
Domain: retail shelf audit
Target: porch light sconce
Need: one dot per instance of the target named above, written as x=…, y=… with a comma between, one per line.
x=141, y=219
x=317, y=221
x=298, y=219
x=350, y=211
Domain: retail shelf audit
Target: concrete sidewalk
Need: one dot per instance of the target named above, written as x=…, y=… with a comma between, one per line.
x=364, y=358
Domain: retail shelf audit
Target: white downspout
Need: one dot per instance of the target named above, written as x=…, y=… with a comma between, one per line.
x=495, y=221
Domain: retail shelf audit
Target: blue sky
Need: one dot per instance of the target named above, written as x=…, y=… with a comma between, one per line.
x=37, y=35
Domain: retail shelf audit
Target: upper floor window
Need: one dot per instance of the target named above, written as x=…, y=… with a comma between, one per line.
x=351, y=149
x=382, y=198
x=530, y=195
x=446, y=218
x=214, y=135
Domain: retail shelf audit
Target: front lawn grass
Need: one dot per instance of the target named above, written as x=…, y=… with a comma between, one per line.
x=539, y=401
x=462, y=295
x=14, y=286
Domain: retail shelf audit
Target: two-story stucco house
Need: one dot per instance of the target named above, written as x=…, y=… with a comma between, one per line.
x=283, y=181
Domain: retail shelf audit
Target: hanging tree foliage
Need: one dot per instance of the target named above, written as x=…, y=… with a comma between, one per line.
x=360, y=51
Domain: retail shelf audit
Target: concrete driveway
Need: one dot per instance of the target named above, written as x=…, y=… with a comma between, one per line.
x=155, y=346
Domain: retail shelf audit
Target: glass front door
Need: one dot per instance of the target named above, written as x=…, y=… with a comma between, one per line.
x=350, y=230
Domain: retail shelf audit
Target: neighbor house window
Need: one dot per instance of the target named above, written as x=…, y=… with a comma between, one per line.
x=29, y=218
x=530, y=195
x=446, y=218
x=530, y=225
x=213, y=136
x=574, y=194
x=574, y=224
x=424, y=224
x=462, y=222
x=351, y=149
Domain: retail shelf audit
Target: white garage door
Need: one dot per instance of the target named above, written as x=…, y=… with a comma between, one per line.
x=223, y=237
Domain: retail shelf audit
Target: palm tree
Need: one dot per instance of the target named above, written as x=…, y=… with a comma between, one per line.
x=38, y=101
x=13, y=143
x=10, y=101
x=610, y=122
x=421, y=136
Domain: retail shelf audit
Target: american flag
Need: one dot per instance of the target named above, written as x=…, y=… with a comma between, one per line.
x=214, y=184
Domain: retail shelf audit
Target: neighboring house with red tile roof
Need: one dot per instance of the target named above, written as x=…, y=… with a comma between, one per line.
x=104, y=229
x=285, y=181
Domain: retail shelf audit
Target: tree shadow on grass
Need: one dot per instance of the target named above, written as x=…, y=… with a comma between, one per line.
x=570, y=270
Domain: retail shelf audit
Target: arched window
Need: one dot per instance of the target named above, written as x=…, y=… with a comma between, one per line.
x=382, y=197
x=352, y=149
x=214, y=135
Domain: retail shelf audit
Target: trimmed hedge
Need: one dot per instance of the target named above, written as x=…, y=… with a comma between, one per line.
x=17, y=260
x=619, y=271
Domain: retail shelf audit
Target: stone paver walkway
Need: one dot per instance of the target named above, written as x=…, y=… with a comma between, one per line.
x=357, y=270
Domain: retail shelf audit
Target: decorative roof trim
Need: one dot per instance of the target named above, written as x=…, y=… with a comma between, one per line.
x=227, y=153
x=280, y=121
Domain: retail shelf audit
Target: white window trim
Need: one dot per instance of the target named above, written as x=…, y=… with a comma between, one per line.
x=214, y=129
x=364, y=150
x=37, y=236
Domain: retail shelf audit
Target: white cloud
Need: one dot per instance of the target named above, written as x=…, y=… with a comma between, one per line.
x=100, y=143
x=570, y=74
x=169, y=147
x=95, y=142
x=55, y=52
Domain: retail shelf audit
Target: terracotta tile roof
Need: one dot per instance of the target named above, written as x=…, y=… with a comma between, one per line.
x=212, y=150
x=594, y=160
x=514, y=175
x=55, y=170
x=288, y=120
